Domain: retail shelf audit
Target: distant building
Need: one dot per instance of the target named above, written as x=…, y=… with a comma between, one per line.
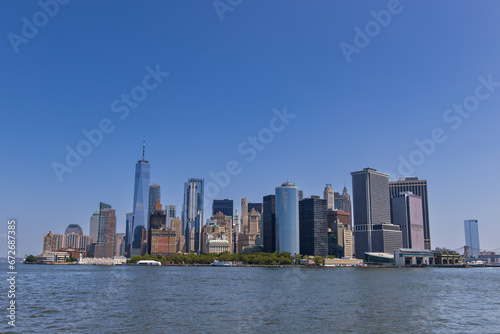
x=406, y=211
x=244, y=214
x=157, y=221
x=287, y=218
x=163, y=242
x=107, y=232
x=180, y=239
x=444, y=256
x=270, y=237
x=223, y=205
x=192, y=213
x=128, y=233
x=371, y=207
x=171, y=212
x=49, y=243
x=94, y=227
x=218, y=234
x=340, y=240
x=342, y=202
x=386, y=238
x=120, y=244
x=74, y=228
x=154, y=196
x=301, y=195
x=413, y=257
x=418, y=188
x=75, y=241
x=255, y=206
x=342, y=216
x=313, y=226
x=328, y=196
x=472, y=237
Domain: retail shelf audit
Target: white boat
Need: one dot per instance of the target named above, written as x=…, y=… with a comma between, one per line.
x=217, y=263
x=148, y=263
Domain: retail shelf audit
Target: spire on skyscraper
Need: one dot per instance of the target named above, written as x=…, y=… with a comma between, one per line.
x=143, y=147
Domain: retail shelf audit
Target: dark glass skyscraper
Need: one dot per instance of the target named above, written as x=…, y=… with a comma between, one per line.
x=141, y=203
x=269, y=224
x=313, y=226
x=419, y=188
x=256, y=206
x=222, y=205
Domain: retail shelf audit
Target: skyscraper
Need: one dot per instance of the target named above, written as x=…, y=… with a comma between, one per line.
x=74, y=228
x=94, y=227
x=371, y=206
x=329, y=197
x=192, y=212
x=418, y=188
x=269, y=224
x=342, y=202
x=223, y=205
x=157, y=221
x=154, y=196
x=107, y=232
x=256, y=206
x=128, y=232
x=472, y=237
x=313, y=226
x=141, y=202
x=406, y=211
x=287, y=218
x=171, y=212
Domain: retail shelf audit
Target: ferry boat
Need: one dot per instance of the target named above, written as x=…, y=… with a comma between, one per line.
x=217, y=263
x=148, y=263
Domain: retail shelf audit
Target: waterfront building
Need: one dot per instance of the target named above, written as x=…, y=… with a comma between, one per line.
x=443, y=256
x=74, y=228
x=418, y=188
x=386, y=238
x=75, y=241
x=472, y=237
x=180, y=239
x=287, y=218
x=340, y=240
x=49, y=243
x=371, y=206
x=107, y=232
x=120, y=244
x=223, y=205
x=140, y=202
x=313, y=226
x=328, y=196
x=171, y=212
x=220, y=230
x=270, y=237
x=413, y=257
x=406, y=211
x=94, y=227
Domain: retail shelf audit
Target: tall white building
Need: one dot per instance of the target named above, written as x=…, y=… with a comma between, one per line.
x=329, y=196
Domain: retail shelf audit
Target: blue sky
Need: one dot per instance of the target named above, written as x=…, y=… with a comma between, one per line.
x=225, y=79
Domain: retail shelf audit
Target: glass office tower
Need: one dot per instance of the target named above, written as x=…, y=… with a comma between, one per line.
x=287, y=218
x=141, y=203
x=472, y=237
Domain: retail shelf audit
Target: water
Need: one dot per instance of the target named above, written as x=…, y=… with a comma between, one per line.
x=129, y=299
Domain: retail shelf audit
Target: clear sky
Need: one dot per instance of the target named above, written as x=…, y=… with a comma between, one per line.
x=226, y=76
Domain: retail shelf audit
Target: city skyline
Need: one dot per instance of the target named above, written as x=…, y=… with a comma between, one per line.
x=246, y=103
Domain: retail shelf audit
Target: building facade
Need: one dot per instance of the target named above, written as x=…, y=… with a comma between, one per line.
x=107, y=232
x=418, y=188
x=223, y=205
x=328, y=196
x=371, y=206
x=406, y=211
x=270, y=237
x=171, y=212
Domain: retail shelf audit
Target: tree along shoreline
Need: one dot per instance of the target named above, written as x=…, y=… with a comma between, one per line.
x=247, y=259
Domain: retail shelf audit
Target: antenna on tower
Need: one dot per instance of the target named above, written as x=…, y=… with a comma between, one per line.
x=143, y=146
